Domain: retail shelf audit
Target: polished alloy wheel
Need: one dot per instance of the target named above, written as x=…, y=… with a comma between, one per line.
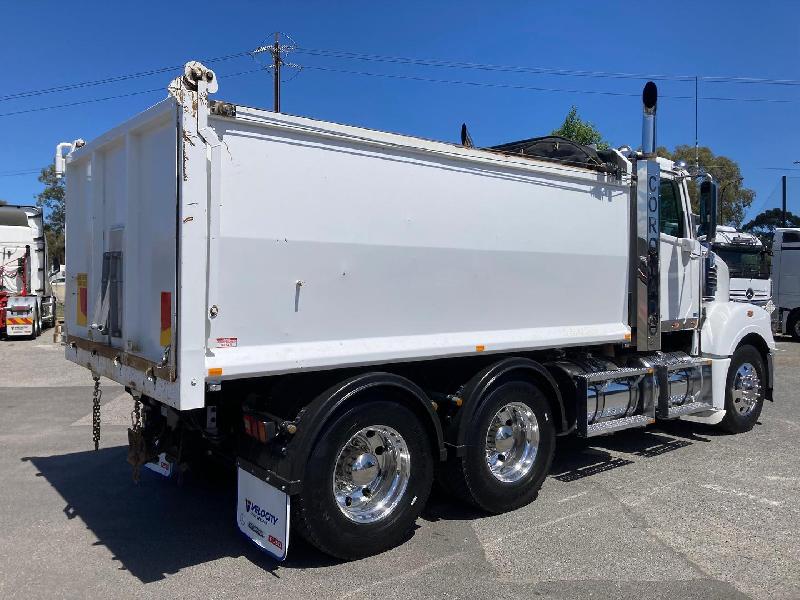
x=746, y=390
x=371, y=474
x=512, y=442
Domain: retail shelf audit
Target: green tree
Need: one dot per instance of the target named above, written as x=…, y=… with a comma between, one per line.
x=734, y=197
x=52, y=199
x=764, y=223
x=583, y=132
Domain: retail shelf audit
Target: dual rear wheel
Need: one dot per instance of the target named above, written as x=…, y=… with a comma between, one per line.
x=371, y=470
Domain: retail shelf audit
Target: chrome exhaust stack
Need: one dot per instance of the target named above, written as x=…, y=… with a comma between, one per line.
x=650, y=102
x=645, y=253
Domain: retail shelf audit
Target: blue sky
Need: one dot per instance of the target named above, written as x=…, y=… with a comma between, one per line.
x=47, y=44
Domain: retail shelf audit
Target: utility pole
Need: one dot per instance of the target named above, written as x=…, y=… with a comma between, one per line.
x=783, y=204
x=276, y=72
x=277, y=51
x=696, y=146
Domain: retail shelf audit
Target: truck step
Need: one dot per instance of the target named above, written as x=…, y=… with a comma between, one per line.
x=687, y=409
x=605, y=427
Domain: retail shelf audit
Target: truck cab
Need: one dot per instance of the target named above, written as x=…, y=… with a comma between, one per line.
x=786, y=280
x=26, y=300
x=748, y=265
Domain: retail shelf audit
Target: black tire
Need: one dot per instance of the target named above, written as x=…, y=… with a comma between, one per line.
x=793, y=325
x=316, y=514
x=35, y=332
x=737, y=419
x=469, y=477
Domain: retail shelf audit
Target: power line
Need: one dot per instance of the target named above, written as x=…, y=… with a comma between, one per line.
x=84, y=84
x=18, y=173
x=78, y=103
x=432, y=62
x=348, y=72
x=116, y=97
x=534, y=88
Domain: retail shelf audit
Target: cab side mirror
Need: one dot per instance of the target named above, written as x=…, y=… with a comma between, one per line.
x=708, y=210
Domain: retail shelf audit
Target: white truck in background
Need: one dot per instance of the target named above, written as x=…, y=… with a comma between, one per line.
x=27, y=304
x=748, y=265
x=786, y=280
x=347, y=313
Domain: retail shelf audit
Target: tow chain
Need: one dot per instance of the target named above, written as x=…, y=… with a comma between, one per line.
x=137, y=451
x=96, y=395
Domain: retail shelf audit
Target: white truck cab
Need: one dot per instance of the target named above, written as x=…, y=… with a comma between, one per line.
x=27, y=303
x=786, y=280
x=748, y=265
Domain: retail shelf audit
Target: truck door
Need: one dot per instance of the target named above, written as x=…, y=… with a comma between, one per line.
x=679, y=260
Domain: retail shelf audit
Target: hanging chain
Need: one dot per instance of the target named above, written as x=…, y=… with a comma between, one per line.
x=96, y=395
x=136, y=415
x=137, y=448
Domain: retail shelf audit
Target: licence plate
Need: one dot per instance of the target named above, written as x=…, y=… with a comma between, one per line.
x=161, y=465
x=19, y=329
x=263, y=514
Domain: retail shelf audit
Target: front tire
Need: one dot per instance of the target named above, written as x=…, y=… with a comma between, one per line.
x=510, y=445
x=793, y=325
x=366, y=481
x=744, y=390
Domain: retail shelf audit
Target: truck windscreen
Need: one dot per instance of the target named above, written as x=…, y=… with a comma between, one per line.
x=745, y=262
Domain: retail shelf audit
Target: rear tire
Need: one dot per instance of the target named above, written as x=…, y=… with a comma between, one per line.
x=793, y=325
x=336, y=511
x=744, y=390
x=498, y=473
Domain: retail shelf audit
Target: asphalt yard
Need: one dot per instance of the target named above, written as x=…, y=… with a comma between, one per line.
x=677, y=511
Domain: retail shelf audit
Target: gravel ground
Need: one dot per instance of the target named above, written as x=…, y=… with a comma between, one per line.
x=680, y=511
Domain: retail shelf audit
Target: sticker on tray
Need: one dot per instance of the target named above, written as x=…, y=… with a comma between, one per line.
x=227, y=342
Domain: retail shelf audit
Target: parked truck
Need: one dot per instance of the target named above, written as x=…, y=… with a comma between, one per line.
x=27, y=303
x=786, y=280
x=748, y=265
x=346, y=314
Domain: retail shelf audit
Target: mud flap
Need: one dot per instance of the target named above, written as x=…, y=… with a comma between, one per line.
x=262, y=512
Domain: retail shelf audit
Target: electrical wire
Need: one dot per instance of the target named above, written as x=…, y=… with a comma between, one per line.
x=116, y=97
x=536, y=88
x=432, y=62
x=115, y=79
x=79, y=102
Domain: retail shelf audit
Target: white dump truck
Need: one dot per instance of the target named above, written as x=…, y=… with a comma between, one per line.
x=27, y=303
x=346, y=314
x=748, y=265
x=786, y=280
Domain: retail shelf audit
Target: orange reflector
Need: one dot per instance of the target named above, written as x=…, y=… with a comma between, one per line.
x=627, y=337
x=480, y=348
x=215, y=372
x=262, y=431
x=82, y=308
x=165, y=338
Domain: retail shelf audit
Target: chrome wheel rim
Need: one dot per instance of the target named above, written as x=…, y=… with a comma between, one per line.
x=746, y=390
x=512, y=442
x=371, y=474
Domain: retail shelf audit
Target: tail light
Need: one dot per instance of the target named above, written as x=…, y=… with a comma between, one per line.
x=260, y=429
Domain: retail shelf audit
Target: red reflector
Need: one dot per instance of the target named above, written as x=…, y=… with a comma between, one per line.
x=262, y=431
x=248, y=425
